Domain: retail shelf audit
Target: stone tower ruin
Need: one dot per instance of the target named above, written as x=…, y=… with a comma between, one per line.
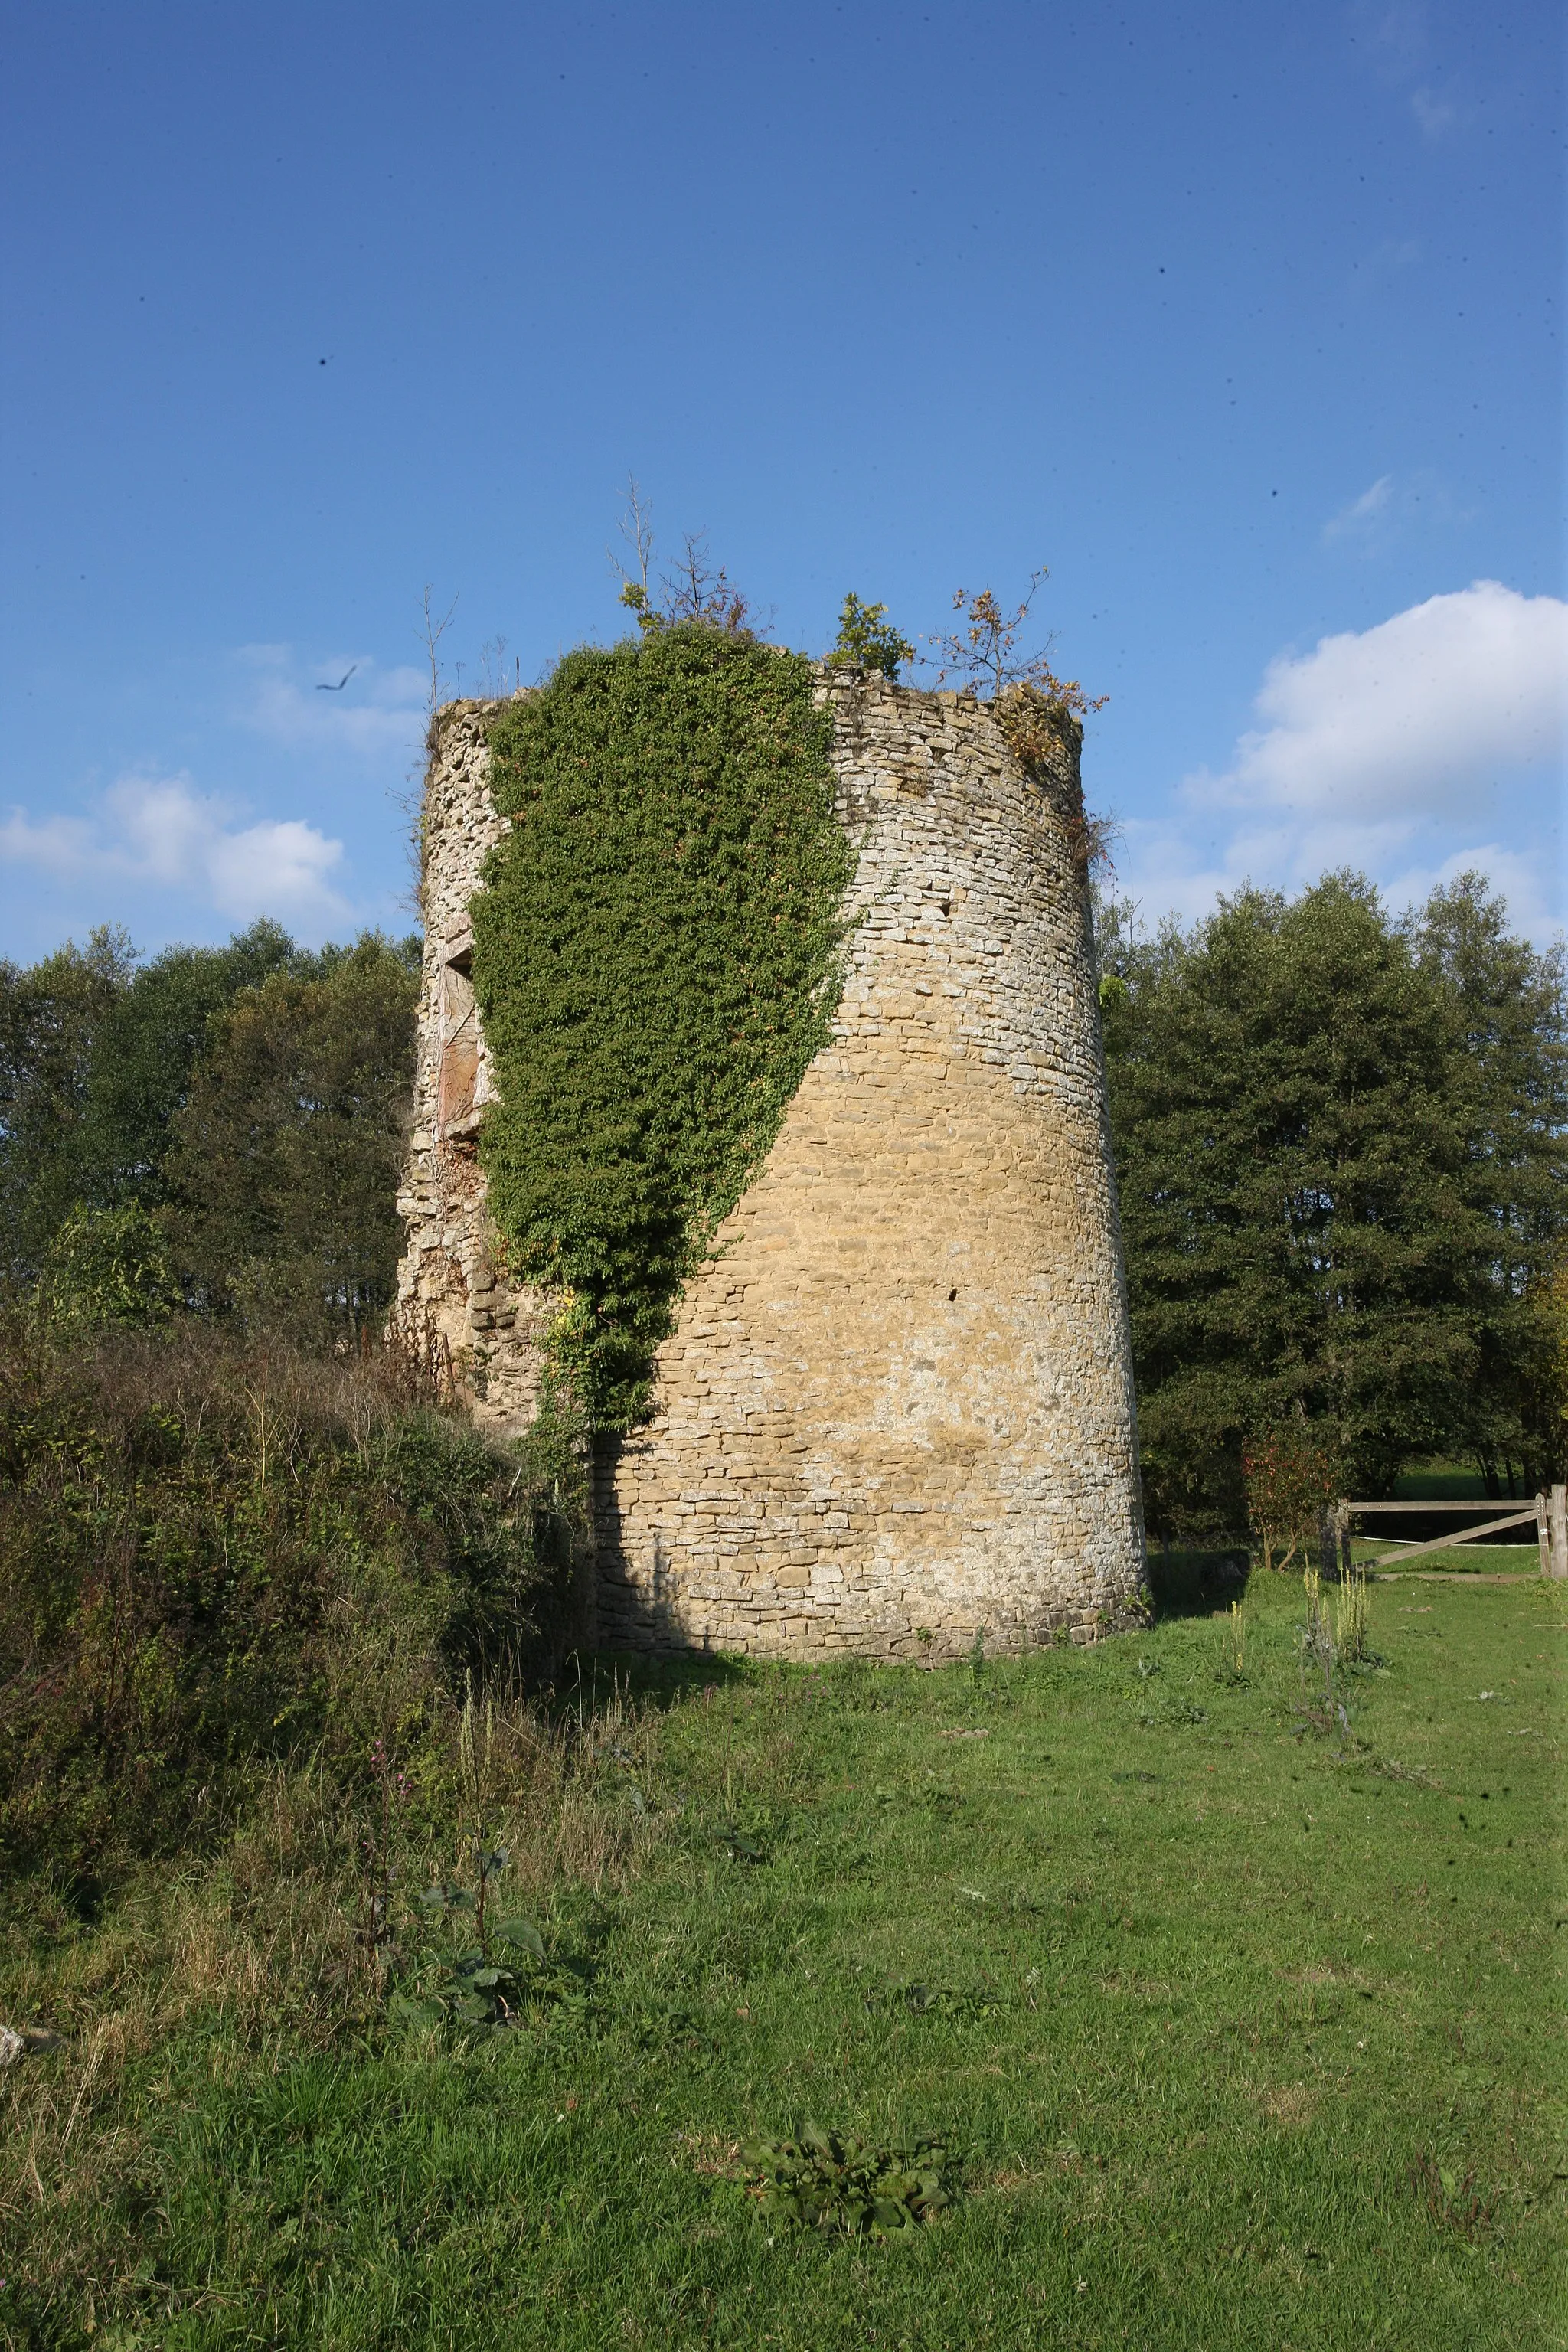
x=895, y=1411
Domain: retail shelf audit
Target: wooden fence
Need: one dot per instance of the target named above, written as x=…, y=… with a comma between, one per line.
x=1548, y=1513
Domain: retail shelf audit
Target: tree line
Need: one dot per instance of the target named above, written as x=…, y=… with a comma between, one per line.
x=218, y=1127
x=1339, y=1138
x=1340, y=1145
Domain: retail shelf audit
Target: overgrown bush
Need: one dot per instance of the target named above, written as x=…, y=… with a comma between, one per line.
x=109, y=1266
x=866, y=639
x=218, y=1555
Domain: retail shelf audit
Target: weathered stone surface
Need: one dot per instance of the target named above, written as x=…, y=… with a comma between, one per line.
x=895, y=1411
x=448, y=1282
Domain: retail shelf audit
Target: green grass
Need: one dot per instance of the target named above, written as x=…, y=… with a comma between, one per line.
x=1465, y=1559
x=1456, y=1482
x=1447, y=1482
x=1247, y=2034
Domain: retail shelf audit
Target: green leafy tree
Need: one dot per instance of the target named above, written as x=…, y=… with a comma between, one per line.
x=96, y=1057
x=283, y=1173
x=1306, y=1232
x=868, y=640
x=1508, y=1091
x=152, y=1036
x=53, y=1018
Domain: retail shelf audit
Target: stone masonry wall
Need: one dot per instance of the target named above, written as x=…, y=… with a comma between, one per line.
x=895, y=1411
x=447, y=1285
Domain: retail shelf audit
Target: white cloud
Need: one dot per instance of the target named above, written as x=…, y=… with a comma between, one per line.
x=1395, y=750
x=160, y=833
x=1395, y=41
x=1515, y=876
x=1387, y=257
x=375, y=713
x=1413, y=717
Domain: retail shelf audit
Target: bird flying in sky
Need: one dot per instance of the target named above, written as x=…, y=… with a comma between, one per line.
x=322, y=688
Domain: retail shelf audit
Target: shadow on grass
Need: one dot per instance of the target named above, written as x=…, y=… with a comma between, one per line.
x=1198, y=1583
x=665, y=1680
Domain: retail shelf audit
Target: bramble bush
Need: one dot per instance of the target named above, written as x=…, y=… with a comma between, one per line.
x=220, y=1555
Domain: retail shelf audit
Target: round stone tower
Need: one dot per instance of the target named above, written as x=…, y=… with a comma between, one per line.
x=895, y=1411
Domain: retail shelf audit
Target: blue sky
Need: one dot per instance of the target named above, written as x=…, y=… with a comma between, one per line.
x=1244, y=320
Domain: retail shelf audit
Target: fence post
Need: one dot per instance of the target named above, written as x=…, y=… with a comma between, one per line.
x=1560, y=1531
x=1543, y=1533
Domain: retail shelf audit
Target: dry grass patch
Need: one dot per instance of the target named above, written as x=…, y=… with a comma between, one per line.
x=1294, y=2105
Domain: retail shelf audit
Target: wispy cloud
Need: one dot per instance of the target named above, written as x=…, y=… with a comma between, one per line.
x=1394, y=39
x=1393, y=32
x=1388, y=508
x=1381, y=749
x=379, y=712
x=160, y=833
x=1387, y=257
x=1366, y=515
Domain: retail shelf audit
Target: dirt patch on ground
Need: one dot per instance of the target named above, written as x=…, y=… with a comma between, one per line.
x=1294, y=2105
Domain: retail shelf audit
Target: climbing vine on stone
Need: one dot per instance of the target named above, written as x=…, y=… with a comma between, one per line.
x=656, y=961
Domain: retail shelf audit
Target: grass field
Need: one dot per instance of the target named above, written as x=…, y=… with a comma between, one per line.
x=1461, y=1559
x=1235, y=2030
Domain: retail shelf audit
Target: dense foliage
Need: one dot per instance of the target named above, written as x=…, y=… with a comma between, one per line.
x=96, y=1056
x=1340, y=1150
x=218, y=1555
x=286, y=1153
x=655, y=962
x=106, y=1266
x=252, y=1098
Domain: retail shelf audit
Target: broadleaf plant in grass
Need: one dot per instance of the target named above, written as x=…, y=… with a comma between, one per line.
x=832, y=2181
x=657, y=956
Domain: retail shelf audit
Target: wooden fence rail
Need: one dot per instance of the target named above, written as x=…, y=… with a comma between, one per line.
x=1547, y=1513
